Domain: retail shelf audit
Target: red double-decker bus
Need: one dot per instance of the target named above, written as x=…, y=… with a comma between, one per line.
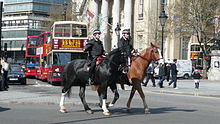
x=67, y=44
x=42, y=51
x=31, y=58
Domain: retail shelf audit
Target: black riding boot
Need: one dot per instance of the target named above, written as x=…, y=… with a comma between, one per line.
x=91, y=76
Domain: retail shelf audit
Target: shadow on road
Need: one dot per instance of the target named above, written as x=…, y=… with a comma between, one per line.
x=169, y=109
x=4, y=109
x=121, y=112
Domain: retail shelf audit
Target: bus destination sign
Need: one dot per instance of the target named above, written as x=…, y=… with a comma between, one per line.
x=68, y=44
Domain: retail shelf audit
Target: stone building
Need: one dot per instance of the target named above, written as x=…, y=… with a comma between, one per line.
x=141, y=17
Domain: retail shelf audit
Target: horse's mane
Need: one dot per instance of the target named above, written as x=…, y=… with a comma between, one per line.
x=110, y=54
x=113, y=51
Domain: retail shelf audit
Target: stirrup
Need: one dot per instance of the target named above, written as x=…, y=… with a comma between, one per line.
x=90, y=81
x=126, y=69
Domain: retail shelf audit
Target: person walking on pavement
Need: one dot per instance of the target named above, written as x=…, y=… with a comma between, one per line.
x=6, y=67
x=125, y=46
x=95, y=49
x=150, y=75
x=1, y=78
x=196, y=76
x=168, y=72
x=174, y=72
x=162, y=74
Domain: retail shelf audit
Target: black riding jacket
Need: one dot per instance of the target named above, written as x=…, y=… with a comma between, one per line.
x=95, y=47
x=125, y=45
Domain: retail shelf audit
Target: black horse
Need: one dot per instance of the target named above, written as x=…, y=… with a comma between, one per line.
x=106, y=74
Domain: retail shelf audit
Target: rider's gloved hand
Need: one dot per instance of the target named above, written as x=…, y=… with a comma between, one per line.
x=106, y=54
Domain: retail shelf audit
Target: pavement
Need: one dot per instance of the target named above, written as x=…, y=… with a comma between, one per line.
x=187, y=87
x=51, y=94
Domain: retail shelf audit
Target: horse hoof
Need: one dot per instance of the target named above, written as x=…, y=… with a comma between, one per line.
x=63, y=111
x=106, y=113
x=147, y=111
x=110, y=105
x=128, y=110
x=89, y=111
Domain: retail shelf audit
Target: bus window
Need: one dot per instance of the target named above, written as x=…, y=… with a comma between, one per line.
x=31, y=51
x=32, y=41
x=62, y=30
x=79, y=30
x=195, y=48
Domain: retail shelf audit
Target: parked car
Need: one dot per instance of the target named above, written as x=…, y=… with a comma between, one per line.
x=17, y=75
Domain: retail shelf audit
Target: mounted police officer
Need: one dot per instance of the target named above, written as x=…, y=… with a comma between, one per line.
x=95, y=49
x=125, y=46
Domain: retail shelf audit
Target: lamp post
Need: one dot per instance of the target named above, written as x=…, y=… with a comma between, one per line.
x=163, y=18
x=117, y=31
x=1, y=9
x=64, y=11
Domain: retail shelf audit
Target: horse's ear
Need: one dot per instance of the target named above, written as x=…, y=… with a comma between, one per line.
x=155, y=45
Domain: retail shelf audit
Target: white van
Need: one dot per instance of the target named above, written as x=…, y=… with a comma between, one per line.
x=184, y=68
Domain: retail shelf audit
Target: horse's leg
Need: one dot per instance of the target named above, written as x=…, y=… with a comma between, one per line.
x=83, y=100
x=116, y=94
x=140, y=91
x=104, y=98
x=100, y=97
x=62, y=100
x=130, y=98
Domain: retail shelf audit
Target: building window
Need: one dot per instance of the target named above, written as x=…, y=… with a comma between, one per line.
x=141, y=10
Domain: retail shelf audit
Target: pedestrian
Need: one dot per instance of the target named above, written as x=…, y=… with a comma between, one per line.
x=174, y=72
x=95, y=49
x=196, y=76
x=162, y=74
x=1, y=78
x=6, y=67
x=150, y=75
x=168, y=72
x=125, y=46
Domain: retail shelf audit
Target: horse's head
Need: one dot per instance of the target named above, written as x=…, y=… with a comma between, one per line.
x=155, y=52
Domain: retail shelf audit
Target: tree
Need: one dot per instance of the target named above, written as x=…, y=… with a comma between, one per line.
x=195, y=18
x=59, y=13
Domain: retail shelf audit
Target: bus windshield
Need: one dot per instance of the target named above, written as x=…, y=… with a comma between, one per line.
x=33, y=41
x=31, y=62
x=63, y=58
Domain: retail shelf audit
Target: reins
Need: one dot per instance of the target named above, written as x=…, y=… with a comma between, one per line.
x=151, y=54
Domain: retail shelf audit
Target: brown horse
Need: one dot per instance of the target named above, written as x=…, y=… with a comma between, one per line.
x=136, y=73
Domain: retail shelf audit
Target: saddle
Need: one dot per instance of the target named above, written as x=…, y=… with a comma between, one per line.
x=98, y=61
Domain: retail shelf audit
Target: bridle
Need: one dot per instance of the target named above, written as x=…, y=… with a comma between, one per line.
x=151, y=55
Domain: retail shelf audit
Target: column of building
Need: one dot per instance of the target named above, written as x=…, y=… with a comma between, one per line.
x=104, y=24
x=116, y=20
x=104, y=15
x=127, y=12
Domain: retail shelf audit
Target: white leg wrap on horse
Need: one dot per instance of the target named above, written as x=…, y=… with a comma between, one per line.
x=62, y=100
x=104, y=108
